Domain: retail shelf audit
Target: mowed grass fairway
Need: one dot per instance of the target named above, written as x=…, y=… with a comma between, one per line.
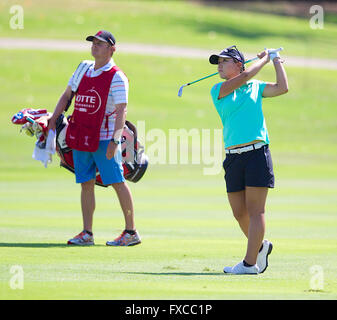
x=183, y=216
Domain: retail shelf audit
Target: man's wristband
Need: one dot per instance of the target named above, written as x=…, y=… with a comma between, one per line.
x=117, y=142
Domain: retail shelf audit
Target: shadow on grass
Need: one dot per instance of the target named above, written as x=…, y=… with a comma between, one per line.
x=177, y=273
x=39, y=245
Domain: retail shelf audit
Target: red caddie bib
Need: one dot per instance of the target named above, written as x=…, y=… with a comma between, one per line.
x=83, y=131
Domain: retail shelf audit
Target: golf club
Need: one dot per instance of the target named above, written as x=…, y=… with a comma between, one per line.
x=180, y=92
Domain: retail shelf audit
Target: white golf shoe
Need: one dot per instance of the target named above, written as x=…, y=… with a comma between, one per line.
x=241, y=269
x=262, y=257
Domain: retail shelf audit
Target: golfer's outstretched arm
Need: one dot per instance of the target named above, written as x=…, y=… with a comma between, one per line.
x=60, y=107
x=230, y=85
x=281, y=85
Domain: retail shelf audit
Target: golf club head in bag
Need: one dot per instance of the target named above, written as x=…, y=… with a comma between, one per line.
x=134, y=160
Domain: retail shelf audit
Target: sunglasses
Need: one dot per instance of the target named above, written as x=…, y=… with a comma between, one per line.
x=231, y=47
x=235, y=49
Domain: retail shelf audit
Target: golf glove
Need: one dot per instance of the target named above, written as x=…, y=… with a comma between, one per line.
x=273, y=54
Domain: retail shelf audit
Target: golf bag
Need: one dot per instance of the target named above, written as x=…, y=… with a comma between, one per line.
x=134, y=162
x=35, y=122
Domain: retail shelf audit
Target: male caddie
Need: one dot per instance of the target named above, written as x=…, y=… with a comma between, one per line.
x=94, y=134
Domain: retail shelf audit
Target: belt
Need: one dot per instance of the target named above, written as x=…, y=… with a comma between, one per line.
x=251, y=147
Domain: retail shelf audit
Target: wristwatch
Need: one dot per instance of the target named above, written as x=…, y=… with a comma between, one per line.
x=117, y=142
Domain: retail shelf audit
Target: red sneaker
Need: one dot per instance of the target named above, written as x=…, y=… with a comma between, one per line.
x=125, y=239
x=82, y=239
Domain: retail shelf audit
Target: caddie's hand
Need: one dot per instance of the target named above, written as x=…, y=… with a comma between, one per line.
x=110, y=152
x=52, y=124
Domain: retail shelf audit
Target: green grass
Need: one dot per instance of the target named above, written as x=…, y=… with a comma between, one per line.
x=183, y=216
x=172, y=23
x=187, y=238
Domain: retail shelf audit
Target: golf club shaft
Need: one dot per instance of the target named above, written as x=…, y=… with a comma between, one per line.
x=213, y=74
x=32, y=121
x=180, y=92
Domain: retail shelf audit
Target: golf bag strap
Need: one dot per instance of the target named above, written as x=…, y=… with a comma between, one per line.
x=80, y=72
x=133, y=128
x=69, y=101
x=77, y=77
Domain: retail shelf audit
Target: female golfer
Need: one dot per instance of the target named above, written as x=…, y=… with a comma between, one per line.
x=248, y=164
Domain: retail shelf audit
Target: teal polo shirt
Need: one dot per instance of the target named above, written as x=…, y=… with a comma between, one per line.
x=241, y=113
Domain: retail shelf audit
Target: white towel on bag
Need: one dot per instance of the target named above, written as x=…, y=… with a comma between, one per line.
x=45, y=155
